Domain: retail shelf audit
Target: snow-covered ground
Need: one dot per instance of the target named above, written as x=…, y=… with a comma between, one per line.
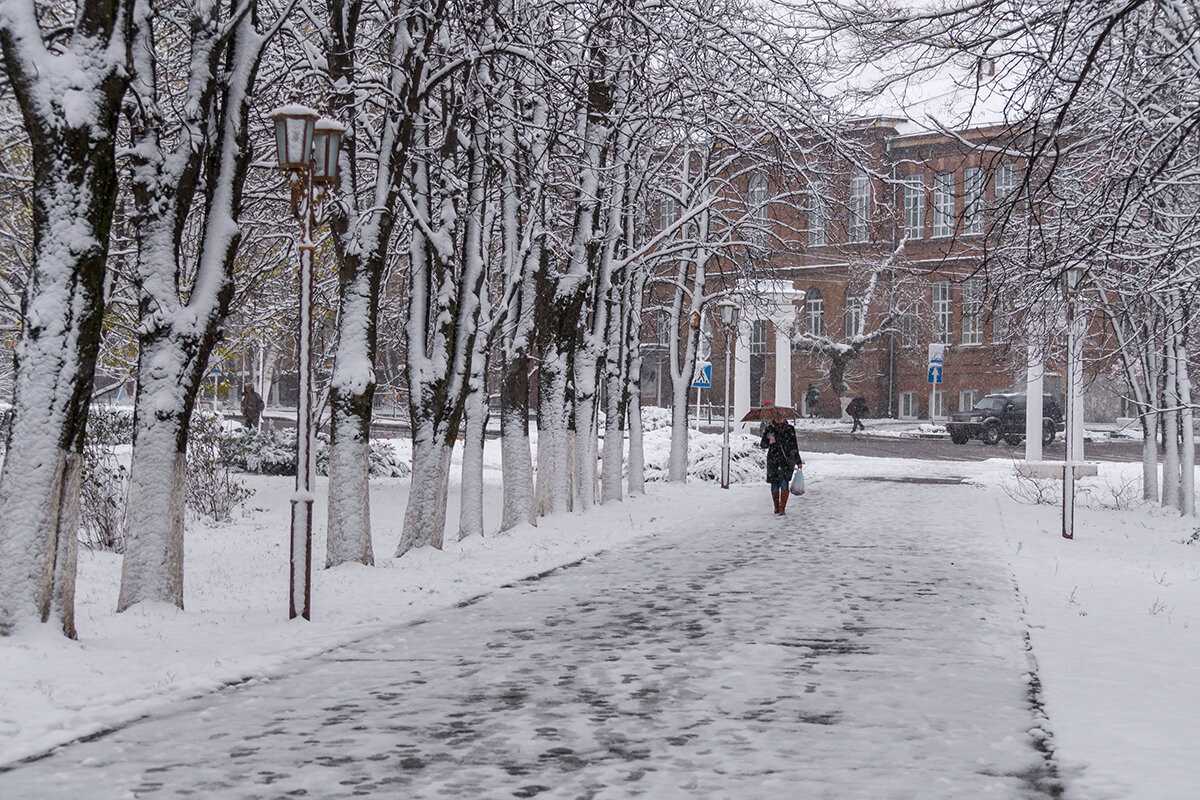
x=1110, y=614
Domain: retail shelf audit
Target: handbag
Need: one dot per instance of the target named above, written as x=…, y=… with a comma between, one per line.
x=797, y=485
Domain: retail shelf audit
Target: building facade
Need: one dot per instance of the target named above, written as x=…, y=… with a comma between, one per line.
x=879, y=259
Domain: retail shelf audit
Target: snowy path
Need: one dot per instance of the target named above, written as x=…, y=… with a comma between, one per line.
x=835, y=653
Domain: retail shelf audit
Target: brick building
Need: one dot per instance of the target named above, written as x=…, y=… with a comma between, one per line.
x=898, y=235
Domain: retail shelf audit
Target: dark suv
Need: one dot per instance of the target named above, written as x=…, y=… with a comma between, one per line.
x=1002, y=416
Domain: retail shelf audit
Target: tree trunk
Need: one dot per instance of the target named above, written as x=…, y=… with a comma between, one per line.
x=73, y=197
x=351, y=400
x=470, y=515
x=348, y=537
x=1149, y=420
x=1187, y=453
x=553, y=479
x=514, y=443
x=1170, y=415
x=152, y=568
x=38, y=540
x=614, y=435
x=425, y=516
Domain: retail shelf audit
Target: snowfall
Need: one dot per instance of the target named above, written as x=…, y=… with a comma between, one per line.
x=1108, y=623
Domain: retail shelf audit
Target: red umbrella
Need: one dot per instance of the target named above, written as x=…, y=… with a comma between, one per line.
x=770, y=412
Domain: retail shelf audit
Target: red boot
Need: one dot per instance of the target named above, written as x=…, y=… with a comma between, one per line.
x=775, y=500
x=783, y=496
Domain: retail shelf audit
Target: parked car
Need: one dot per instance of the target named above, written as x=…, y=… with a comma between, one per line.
x=1002, y=416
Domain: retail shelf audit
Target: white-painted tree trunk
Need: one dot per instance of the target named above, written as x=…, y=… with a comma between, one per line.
x=1170, y=417
x=152, y=568
x=585, y=453
x=470, y=515
x=614, y=436
x=351, y=395
x=553, y=468
x=39, y=524
x=425, y=516
x=1149, y=421
x=348, y=536
x=678, y=464
x=637, y=456
x=517, y=464
x=1187, y=453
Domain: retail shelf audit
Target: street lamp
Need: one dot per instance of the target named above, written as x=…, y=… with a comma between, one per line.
x=1071, y=280
x=729, y=318
x=307, y=147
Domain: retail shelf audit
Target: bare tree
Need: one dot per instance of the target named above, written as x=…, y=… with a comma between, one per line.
x=69, y=76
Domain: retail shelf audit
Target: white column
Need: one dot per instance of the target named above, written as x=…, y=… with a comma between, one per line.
x=741, y=373
x=783, y=367
x=1075, y=412
x=1034, y=380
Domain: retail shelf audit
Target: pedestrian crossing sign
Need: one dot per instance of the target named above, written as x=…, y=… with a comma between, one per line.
x=703, y=378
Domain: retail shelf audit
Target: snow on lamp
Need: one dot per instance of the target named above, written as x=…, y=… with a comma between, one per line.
x=327, y=141
x=294, y=126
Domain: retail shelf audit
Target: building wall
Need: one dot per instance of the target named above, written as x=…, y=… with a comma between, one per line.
x=891, y=373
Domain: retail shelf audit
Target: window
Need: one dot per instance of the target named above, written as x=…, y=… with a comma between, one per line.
x=914, y=207
x=854, y=316
x=939, y=404
x=908, y=330
x=972, y=314
x=666, y=212
x=943, y=312
x=662, y=328
x=758, y=337
x=814, y=312
x=909, y=407
x=758, y=206
x=973, y=200
x=1001, y=323
x=1006, y=182
x=943, y=204
x=1129, y=407
x=704, y=345
x=818, y=215
x=860, y=207
x=967, y=399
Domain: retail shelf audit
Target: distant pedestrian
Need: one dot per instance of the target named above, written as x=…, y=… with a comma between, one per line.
x=783, y=456
x=811, y=396
x=252, y=407
x=857, y=409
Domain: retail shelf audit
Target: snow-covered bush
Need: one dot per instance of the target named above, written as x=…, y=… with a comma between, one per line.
x=270, y=451
x=747, y=462
x=104, y=479
x=273, y=452
x=655, y=418
x=212, y=490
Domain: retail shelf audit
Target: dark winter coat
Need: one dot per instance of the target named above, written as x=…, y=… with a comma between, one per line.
x=252, y=407
x=857, y=408
x=784, y=454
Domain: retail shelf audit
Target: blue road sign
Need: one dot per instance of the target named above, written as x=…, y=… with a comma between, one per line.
x=935, y=373
x=703, y=377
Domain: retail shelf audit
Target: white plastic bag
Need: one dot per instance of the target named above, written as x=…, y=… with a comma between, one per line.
x=797, y=486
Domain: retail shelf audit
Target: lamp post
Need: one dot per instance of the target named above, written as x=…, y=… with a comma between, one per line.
x=729, y=318
x=1074, y=408
x=307, y=147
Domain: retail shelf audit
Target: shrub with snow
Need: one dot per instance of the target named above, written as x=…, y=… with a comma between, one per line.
x=212, y=491
x=273, y=452
x=747, y=462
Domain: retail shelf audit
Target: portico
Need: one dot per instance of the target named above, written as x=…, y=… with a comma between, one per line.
x=774, y=302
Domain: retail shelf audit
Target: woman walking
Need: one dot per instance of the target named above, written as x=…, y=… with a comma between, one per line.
x=783, y=456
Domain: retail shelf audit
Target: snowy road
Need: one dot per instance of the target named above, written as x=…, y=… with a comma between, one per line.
x=840, y=652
